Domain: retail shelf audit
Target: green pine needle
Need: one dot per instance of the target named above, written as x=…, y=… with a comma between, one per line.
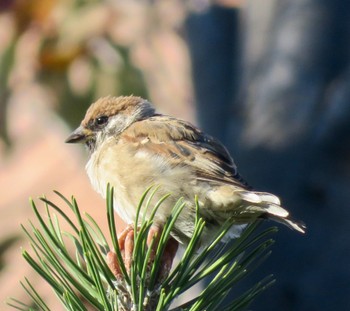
x=84, y=272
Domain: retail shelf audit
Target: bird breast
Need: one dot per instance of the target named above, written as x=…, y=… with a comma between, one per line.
x=131, y=172
x=102, y=169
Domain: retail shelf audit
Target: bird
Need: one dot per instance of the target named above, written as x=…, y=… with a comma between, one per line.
x=131, y=146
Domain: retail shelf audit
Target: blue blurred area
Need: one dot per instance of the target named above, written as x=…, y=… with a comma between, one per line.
x=272, y=82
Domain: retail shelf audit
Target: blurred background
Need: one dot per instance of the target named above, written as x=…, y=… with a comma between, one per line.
x=270, y=79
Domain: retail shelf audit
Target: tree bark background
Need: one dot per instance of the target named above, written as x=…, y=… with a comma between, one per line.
x=272, y=81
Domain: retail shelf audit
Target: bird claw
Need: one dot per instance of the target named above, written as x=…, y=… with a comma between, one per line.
x=154, y=234
x=126, y=246
x=113, y=265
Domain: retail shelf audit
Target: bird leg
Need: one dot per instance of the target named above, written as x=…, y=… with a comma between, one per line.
x=128, y=250
x=168, y=254
x=126, y=246
x=113, y=265
x=154, y=234
x=123, y=235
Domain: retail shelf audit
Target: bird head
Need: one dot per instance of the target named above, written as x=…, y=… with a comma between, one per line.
x=109, y=116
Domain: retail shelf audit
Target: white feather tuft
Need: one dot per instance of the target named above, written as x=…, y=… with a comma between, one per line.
x=250, y=197
x=268, y=197
x=276, y=210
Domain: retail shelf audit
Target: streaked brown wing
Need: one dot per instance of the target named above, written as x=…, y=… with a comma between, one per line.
x=185, y=144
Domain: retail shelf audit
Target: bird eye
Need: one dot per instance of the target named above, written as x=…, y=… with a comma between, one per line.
x=101, y=120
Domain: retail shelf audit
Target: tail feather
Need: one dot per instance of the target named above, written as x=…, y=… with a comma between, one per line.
x=270, y=206
x=291, y=223
x=250, y=196
x=246, y=206
x=259, y=197
x=268, y=197
x=276, y=210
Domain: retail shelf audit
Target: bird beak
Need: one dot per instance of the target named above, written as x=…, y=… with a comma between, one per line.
x=80, y=135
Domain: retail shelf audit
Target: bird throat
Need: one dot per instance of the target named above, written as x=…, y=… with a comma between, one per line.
x=91, y=145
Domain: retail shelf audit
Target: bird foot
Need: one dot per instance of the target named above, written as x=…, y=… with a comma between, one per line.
x=126, y=246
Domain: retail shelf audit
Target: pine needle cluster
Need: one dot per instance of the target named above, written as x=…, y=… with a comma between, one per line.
x=82, y=279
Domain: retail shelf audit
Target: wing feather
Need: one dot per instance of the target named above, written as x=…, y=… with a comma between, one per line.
x=185, y=144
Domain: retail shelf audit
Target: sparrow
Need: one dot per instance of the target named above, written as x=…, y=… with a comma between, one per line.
x=131, y=147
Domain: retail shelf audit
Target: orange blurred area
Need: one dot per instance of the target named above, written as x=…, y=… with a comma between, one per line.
x=56, y=57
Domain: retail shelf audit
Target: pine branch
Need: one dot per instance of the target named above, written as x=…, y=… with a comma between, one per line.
x=146, y=285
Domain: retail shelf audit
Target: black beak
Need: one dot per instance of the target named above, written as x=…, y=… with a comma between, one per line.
x=79, y=135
